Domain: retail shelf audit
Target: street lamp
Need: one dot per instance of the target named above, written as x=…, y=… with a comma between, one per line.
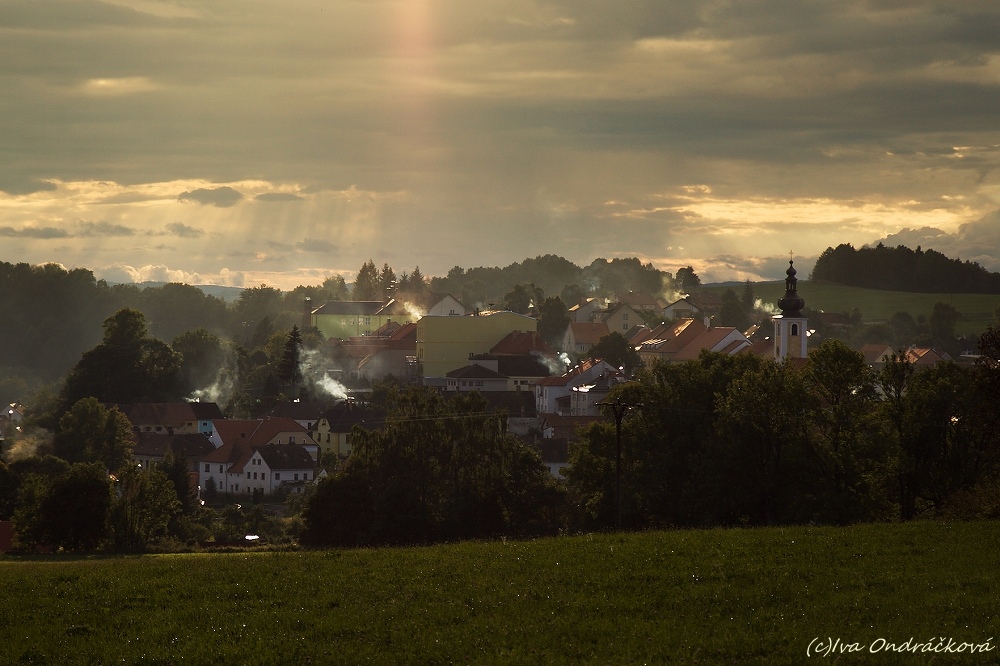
x=618, y=408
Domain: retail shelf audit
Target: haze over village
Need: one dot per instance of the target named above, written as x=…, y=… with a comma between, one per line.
x=498, y=325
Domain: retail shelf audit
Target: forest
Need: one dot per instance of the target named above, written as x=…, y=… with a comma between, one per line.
x=903, y=269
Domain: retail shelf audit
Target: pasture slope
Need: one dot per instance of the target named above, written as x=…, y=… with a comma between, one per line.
x=976, y=310
x=774, y=596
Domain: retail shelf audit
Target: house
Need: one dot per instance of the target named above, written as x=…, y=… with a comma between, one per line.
x=580, y=337
x=586, y=398
x=926, y=356
x=180, y=418
x=876, y=354
x=152, y=448
x=343, y=319
x=620, y=317
x=475, y=377
x=346, y=319
x=305, y=412
x=444, y=342
x=549, y=390
x=638, y=300
x=583, y=312
x=554, y=452
x=236, y=441
x=278, y=466
x=702, y=305
x=666, y=340
x=334, y=430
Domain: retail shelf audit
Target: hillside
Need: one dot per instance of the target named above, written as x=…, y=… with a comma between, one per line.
x=720, y=596
x=977, y=310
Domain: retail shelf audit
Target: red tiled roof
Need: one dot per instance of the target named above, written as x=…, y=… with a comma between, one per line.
x=706, y=340
x=587, y=333
x=568, y=376
x=520, y=343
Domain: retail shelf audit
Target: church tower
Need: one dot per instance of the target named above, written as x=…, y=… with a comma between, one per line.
x=790, y=325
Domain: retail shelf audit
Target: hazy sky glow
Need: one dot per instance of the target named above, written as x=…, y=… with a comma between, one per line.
x=257, y=141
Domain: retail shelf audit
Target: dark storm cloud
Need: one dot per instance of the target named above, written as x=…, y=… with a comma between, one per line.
x=223, y=197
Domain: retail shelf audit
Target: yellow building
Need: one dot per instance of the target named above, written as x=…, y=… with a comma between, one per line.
x=445, y=342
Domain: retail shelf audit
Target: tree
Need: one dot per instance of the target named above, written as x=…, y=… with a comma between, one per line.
x=553, y=318
x=128, y=366
x=366, y=284
x=732, y=313
x=748, y=300
x=851, y=460
x=145, y=502
x=436, y=471
x=522, y=298
x=177, y=470
x=616, y=350
x=289, y=370
x=336, y=288
x=386, y=282
x=204, y=356
x=941, y=325
x=686, y=279
x=73, y=510
x=254, y=306
x=90, y=433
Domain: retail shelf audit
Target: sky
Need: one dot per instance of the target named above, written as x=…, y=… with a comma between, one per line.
x=280, y=143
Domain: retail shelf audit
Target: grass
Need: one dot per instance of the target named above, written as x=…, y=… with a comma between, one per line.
x=977, y=310
x=719, y=596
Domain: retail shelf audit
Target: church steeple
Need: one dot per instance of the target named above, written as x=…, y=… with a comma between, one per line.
x=790, y=325
x=791, y=303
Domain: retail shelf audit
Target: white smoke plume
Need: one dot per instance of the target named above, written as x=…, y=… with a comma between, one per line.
x=220, y=391
x=556, y=365
x=312, y=367
x=761, y=306
x=27, y=446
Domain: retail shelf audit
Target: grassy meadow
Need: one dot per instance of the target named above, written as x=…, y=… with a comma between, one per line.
x=976, y=309
x=717, y=596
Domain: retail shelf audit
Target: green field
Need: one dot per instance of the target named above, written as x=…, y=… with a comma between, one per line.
x=976, y=309
x=718, y=596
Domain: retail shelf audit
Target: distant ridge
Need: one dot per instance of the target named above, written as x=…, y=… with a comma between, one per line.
x=227, y=294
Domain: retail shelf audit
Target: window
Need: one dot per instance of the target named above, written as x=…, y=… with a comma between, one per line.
x=795, y=329
x=220, y=468
x=277, y=476
x=206, y=467
x=296, y=478
x=306, y=476
x=248, y=475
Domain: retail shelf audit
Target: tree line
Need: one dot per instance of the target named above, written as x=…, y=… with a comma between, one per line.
x=903, y=269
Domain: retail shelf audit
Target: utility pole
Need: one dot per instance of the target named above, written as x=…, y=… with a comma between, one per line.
x=619, y=408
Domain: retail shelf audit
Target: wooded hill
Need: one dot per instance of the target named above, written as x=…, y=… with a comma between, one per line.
x=903, y=269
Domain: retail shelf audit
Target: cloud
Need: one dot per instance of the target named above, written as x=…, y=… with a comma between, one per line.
x=315, y=245
x=34, y=232
x=222, y=197
x=91, y=229
x=184, y=231
x=278, y=196
x=977, y=241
